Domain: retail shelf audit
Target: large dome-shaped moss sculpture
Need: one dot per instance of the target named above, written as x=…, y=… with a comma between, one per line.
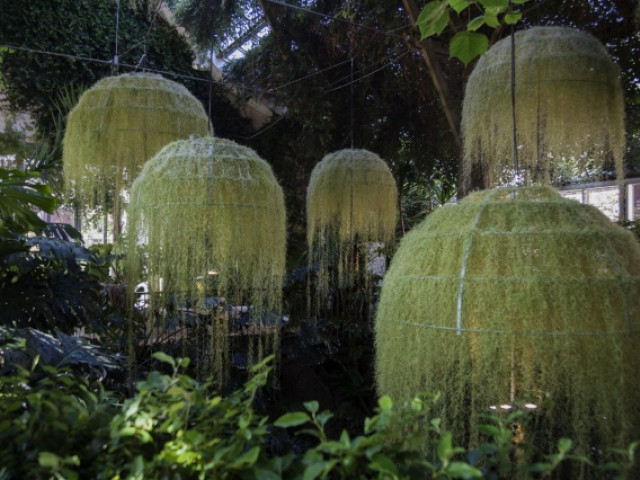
x=208, y=207
x=120, y=123
x=351, y=201
x=512, y=295
x=569, y=109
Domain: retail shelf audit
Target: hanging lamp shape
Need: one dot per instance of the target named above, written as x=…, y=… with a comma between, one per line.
x=118, y=124
x=351, y=201
x=569, y=110
x=511, y=297
x=209, y=211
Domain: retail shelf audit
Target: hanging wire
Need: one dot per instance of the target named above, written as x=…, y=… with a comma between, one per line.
x=513, y=106
x=115, y=56
x=351, y=104
x=350, y=82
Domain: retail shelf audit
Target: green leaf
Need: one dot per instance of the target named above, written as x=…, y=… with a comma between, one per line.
x=467, y=45
x=382, y=463
x=463, y=470
x=163, y=357
x=445, y=447
x=314, y=470
x=497, y=4
x=246, y=460
x=49, y=460
x=476, y=23
x=323, y=417
x=491, y=20
x=564, y=445
x=385, y=402
x=433, y=18
x=490, y=430
x=292, y=419
x=512, y=18
x=311, y=406
x=459, y=5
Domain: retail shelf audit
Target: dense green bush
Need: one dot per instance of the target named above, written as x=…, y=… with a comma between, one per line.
x=57, y=424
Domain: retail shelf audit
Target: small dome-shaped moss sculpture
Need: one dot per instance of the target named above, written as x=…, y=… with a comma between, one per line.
x=352, y=199
x=569, y=109
x=209, y=207
x=120, y=123
x=515, y=294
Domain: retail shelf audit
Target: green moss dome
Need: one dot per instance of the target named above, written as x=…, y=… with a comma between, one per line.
x=569, y=109
x=513, y=295
x=351, y=200
x=208, y=204
x=121, y=122
x=352, y=191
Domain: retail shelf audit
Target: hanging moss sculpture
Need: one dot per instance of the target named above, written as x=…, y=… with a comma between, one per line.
x=569, y=109
x=208, y=208
x=512, y=295
x=118, y=124
x=351, y=200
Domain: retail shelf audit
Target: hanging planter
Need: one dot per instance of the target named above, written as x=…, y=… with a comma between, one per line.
x=513, y=295
x=569, y=110
x=210, y=211
x=351, y=203
x=118, y=124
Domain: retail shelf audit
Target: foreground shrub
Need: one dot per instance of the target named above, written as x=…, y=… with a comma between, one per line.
x=56, y=424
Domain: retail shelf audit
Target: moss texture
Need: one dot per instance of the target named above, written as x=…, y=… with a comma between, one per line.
x=352, y=199
x=209, y=205
x=118, y=124
x=512, y=295
x=569, y=109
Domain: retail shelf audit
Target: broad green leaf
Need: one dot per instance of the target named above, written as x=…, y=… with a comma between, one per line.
x=467, y=45
x=491, y=20
x=459, y=5
x=382, y=463
x=311, y=406
x=476, y=23
x=163, y=357
x=314, y=470
x=248, y=459
x=49, y=460
x=489, y=430
x=564, y=445
x=433, y=18
x=323, y=417
x=445, y=447
x=512, y=18
x=494, y=10
x=385, y=402
x=501, y=4
x=292, y=419
x=463, y=470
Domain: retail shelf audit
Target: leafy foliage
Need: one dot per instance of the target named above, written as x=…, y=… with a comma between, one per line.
x=73, y=43
x=57, y=424
x=468, y=44
x=49, y=285
x=46, y=281
x=217, y=23
x=20, y=193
